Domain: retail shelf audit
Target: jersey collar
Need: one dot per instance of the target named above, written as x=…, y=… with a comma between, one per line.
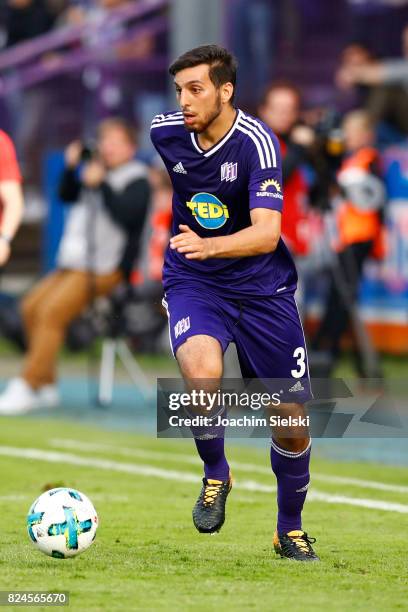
x=218, y=144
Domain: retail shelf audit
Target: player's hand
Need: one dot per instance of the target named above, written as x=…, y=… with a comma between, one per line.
x=93, y=174
x=4, y=251
x=190, y=244
x=344, y=78
x=73, y=154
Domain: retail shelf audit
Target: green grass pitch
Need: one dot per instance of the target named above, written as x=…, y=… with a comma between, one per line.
x=147, y=555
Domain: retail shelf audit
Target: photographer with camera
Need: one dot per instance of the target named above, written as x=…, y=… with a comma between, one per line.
x=109, y=194
x=359, y=210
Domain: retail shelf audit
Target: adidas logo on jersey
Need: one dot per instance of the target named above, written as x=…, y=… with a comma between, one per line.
x=179, y=168
x=297, y=387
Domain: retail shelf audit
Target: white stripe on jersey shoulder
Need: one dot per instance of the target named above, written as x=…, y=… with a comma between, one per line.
x=259, y=136
x=262, y=141
x=260, y=127
x=168, y=119
x=157, y=125
x=255, y=140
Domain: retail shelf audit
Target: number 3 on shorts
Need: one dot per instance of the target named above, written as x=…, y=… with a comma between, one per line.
x=300, y=356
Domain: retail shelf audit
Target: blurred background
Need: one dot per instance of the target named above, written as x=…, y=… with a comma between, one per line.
x=331, y=79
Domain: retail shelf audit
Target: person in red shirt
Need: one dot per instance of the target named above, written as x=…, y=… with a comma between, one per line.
x=301, y=226
x=11, y=196
x=280, y=110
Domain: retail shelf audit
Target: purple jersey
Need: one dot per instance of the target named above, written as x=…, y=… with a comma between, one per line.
x=214, y=192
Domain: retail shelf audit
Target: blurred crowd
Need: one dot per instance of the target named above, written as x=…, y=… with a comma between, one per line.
x=23, y=20
x=98, y=87
x=119, y=198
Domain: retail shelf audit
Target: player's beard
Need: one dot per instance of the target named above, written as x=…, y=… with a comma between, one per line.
x=213, y=114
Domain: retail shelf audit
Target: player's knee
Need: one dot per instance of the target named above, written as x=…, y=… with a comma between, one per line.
x=200, y=357
x=294, y=445
x=193, y=365
x=201, y=368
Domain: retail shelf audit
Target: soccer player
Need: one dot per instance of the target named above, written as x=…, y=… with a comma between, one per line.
x=228, y=276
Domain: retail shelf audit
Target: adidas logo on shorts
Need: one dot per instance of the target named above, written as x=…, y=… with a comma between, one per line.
x=179, y=168
x=303, y=489
x=297, y=387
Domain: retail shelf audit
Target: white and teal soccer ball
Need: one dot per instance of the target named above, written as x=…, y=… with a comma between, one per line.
x=62, y=522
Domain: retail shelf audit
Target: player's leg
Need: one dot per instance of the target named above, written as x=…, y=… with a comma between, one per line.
x=270, y=344
x=200, y=357
x=199, y=338
x=291, y=469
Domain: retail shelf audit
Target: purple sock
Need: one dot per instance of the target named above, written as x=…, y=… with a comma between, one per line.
x=292, y=474
x=212, y=453
x=210, y=446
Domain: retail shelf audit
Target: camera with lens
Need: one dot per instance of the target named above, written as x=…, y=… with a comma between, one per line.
x=329, y=133
x=88, y=151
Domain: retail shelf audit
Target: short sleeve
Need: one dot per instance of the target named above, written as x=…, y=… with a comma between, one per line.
x=265, y=171
x=154, y=131
x=9, y=169
x=162, y=129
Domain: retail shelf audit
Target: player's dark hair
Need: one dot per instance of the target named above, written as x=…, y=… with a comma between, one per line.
x=222, y=64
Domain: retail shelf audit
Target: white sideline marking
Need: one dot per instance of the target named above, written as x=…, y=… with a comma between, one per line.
x=13, y=498
x=243, y=467
x=367, y=484
x=148, y=470
x=99, y=497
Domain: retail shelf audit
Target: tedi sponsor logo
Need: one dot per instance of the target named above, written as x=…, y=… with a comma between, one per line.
x=208, y=210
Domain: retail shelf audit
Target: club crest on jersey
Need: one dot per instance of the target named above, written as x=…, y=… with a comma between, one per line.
x=270, y=188
x=182, y=326
x=208, y=210
x=229, y=171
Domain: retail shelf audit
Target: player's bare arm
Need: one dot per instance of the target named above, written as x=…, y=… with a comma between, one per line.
x=11, y=196
x=259, y=238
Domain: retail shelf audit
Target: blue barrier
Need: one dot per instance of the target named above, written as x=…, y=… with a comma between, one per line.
x=54, y=221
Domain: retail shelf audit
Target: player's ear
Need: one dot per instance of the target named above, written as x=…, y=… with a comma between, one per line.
x=227, y=89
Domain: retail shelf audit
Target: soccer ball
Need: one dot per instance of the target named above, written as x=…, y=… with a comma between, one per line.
x=62, y=522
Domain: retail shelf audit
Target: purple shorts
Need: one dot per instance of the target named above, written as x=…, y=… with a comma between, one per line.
x=267, y=332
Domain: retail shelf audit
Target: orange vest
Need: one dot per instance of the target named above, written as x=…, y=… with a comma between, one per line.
x=160, y=223
x=356, y=225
